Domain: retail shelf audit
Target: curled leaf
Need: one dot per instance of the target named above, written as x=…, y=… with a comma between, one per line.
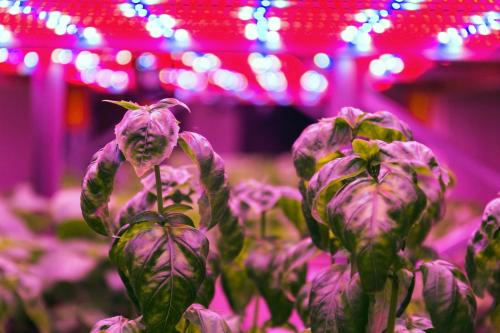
x=448, y=298
x=207, y=289
x=147, y=136
x=337, y=302
x=208, y=320
x=382, y=125
x=372, y=218
x=162, y=266
x=118, y=324
x=329, y=180
x=483, y=253
x=264, y=267
x=320, y=143
x=214, y=206
x=97, y=186
x=237, y=286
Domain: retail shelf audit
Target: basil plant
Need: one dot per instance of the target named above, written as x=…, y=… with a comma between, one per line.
x=370, y=196
x=164, y=259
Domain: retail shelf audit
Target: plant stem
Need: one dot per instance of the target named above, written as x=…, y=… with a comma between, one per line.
x=391, y=320
x=263, y=225
x=255, y=320
x=159, y=192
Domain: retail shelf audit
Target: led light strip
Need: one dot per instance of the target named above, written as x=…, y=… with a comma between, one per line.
x=376, y=21
x=158, y=26
x=452, y=39
x=60, y=23
x=264, y=30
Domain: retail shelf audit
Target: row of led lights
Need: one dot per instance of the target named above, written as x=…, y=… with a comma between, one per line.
x=60, y=23
x=452, y=39
x=376, y=21
x=205, y=69
x=261, y=28
x=158, y=26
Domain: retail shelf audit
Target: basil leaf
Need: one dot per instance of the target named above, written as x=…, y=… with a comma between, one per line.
x=118, y=324
x=171, y=179
x=140, y=202
x=208, y=320
x=302, y=304
x=125, y=104
x=448, y=298
x=413, y=324
x=213, y=204
x=207, y=290
x=264, y=266
x=483, y=253
x=431, y=178
x=294, y=268
x=320, y=143
x=337, y=302
x=162, y=266
x=372, y=218
x=147, y=136
x=237, y=286
x=329, y=180
x=383, y=126
x=290, y=204
x=253, y=196
x=97, y=186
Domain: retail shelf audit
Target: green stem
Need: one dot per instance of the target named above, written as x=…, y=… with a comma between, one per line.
x=159, y=192
x=263, y=225
x=255, y=320
x=391, y=320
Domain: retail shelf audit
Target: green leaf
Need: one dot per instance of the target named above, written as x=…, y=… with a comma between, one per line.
x=97, y=186
x=207, y=290
x=253, y=196
x=448, y=298
x=208, y=320
x=320, y=143
x=237, y=286
x=302, y=304
x=118, y=324
x=372, y=218
x=176, y=208
x=483, y=253
x=337, y=302
x=169, y=103
x=419, y=161
x=413, y=324
x=162, y=266
x=172, y=179
x=290, y=204
x=214, y=206
x=264, y=266
x=293, y=270
x=383, y=126
x=125, y=104
x=140, y=202
x=367, y=150
x=147, y=136
x=329, y=180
